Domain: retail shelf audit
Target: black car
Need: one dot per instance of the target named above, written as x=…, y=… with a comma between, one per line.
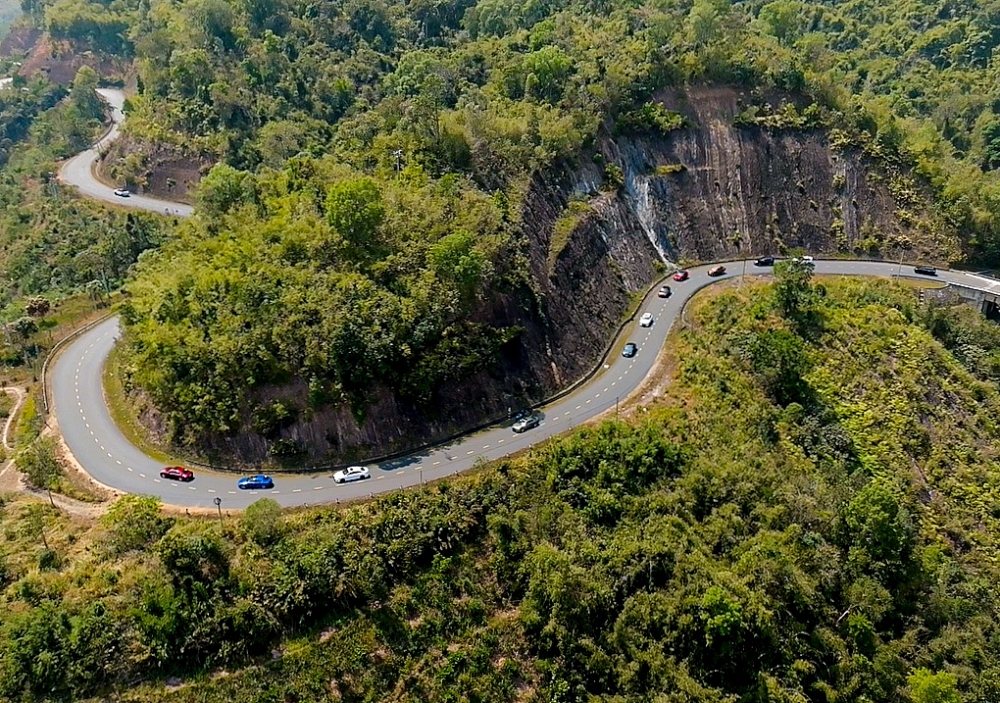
x=764, y=261
x=925, y=270
x=630, y=349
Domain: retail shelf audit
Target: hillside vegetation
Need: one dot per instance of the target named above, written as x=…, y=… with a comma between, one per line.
x=808, y=514
x=482, y=97
x=494, y=87
x=54, y=246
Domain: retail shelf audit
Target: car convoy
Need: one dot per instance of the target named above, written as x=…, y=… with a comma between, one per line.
x=524, y=420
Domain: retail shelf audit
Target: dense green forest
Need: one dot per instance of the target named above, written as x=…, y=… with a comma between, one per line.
x=469, y=99
x=808, y=514
x=51, y=243
x=495, y=87
x=374, y=286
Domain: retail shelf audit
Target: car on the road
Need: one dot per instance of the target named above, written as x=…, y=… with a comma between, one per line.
x=925, y=270
x=681, y=275
x=664, y=292
x=716, y=270
x=646, y=320
x=630, y=349
x=805, y=261
x=122, y=192
x=527, y=423
x=764, y=261
x=254, y=482
x=177, y=473
x=352, y=473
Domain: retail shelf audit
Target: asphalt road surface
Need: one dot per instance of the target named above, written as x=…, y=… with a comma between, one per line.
x=79, y=171
x=108, y=456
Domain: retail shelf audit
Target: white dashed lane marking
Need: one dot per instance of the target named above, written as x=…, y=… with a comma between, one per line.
x=142, y=475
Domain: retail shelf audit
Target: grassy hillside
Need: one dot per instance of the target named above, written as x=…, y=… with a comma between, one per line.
x=807, y=514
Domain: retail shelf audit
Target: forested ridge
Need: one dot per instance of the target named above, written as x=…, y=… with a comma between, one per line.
x=471, y=100
x=52, y=244
x=808, y=513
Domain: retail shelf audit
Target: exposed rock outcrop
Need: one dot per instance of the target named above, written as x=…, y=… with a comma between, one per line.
x=599, y=231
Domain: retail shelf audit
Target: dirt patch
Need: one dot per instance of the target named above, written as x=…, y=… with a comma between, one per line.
x=59, y=62
x=19, y=41
x=161, y=170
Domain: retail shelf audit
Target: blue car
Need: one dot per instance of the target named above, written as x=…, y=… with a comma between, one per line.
x=258, y=481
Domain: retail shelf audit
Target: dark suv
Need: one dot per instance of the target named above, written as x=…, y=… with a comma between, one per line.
x=925, y=270
x=630, y=349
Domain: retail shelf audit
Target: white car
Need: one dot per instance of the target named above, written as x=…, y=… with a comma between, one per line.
x=122, y=192
x=646, y=320
x=352, y=473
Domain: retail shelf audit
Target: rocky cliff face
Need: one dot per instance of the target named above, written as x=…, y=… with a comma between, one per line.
x=710, y=191
x=596, y=235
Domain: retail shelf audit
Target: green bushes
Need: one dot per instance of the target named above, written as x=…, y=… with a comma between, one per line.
x=825, y=536
x=347, y=286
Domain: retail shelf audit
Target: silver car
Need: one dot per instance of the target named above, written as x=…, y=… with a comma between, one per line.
x=526, y=423
x=352, y=473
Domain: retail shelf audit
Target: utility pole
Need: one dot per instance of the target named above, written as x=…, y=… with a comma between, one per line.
x=218, y=504
x=398, y=153
x=899, y=271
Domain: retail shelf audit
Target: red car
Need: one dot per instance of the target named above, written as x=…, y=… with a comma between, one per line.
x=716, y=270
x=177, y=473
x=681, y=276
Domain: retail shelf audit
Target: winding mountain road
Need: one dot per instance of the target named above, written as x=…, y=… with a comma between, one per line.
x=79, y=170
x=104, y=452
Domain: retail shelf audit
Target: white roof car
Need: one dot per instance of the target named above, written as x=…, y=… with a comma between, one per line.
x=352, y=473
x=122, y=192
x=646, y=320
